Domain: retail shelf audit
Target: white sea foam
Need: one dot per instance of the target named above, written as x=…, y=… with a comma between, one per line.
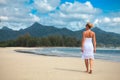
x=107, y=54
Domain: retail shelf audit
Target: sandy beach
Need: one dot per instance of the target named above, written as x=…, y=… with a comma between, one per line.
x=22, y=66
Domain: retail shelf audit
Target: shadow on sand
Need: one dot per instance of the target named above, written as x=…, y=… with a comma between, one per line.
x=64, y=69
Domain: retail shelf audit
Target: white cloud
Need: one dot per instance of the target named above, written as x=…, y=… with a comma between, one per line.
x=45, y=6
x=35, y=18
x=108, y=23
x=73, y=16
x=106, y=20
x=78, y=7
x=116, y=19
x=15, y=14
x=96, y=21
x=89, y=4
x=15, y=26
x=2, y=1
x=4, y=18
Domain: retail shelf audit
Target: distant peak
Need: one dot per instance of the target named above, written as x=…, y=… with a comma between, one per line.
x=37, y=24
x=96, y=28
x=6, y=28
x=64, y=28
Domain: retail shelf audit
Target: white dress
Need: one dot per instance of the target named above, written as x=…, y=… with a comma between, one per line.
x=88, y=49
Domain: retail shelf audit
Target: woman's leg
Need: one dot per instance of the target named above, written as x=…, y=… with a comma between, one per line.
x=86, y=64
x=91, y=65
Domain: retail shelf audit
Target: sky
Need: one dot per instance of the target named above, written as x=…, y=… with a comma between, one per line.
x=71, y=14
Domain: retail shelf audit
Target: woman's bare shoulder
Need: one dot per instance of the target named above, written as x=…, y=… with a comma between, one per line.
x=84, y=32
x=92, y=32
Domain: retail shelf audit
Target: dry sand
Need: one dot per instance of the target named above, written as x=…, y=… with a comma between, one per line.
x=22, y=66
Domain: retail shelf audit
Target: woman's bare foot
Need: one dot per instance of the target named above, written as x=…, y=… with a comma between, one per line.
x=87, y=71
x=90, y=72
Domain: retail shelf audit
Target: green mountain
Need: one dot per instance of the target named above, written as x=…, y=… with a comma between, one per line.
x=38, y=30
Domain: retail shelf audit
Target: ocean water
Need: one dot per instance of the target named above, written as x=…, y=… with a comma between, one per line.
x=101, y=53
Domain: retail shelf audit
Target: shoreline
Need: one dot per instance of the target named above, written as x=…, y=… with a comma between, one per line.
x=63, y=54
x=24, y=66
x=26, y=52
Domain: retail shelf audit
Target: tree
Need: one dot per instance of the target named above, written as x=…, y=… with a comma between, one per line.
x=23, y=40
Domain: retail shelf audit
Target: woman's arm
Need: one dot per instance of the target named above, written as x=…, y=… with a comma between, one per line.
x=94, y=42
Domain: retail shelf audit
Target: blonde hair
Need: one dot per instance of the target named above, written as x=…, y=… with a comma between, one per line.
x=90, y=25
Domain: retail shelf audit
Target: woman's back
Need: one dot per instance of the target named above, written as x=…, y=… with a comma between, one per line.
x=89, y=34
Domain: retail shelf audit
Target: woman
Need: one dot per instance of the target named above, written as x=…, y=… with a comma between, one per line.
x=88, y=47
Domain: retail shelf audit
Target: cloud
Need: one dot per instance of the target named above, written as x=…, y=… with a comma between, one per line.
x=72, y=15
x=2, y=1
x=45, y=6
x=116, y=19
x=108, y=23
x=106, y=20
x=75, y=15
x=5, y=18
x=78, y=7
x=35, y=18
x=16, y=14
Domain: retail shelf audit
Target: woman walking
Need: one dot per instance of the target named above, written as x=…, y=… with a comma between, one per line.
x=88, y=47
